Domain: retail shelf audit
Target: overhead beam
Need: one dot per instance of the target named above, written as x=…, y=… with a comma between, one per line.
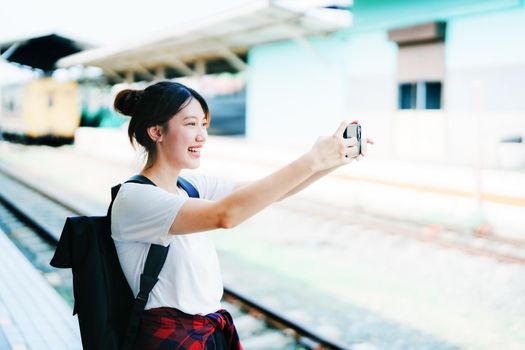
x=110, y=72
x=182, y=67
x=215, y=45
x=160, y=73
x=130, y=76
x=200, y=66
x=233, y=59
x=176, y=64
x=143, y=70
x=160, y=62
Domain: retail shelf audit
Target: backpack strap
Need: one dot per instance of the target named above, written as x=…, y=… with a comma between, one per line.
x=182, y=182
x=134, y=179
x=157, y=255
x=114, y=192
x=188, y=187
x=141, y=179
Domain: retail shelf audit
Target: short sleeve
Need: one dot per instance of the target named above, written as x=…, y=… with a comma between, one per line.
x=210, y=187
x=144, y=213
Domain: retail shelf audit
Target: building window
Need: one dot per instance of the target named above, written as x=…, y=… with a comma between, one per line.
x=433, y=95
x=9, y=105
x=420, y=95
x=407, y=96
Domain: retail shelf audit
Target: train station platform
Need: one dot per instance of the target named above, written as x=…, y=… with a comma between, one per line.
x=32, y=314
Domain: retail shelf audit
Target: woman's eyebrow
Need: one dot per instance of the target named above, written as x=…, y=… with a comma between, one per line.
x=192, y=116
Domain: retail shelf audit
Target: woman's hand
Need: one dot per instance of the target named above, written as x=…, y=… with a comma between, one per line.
x=330, y=152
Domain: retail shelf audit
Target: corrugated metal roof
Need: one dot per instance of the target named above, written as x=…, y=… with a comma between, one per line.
x=225, y=36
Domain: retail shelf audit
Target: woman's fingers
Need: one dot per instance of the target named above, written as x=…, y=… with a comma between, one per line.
x=350, y=149
x=351, y=142
x=364, y=145
x=341, y=129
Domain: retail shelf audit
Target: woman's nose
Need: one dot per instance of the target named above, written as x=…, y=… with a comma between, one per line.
x=202, y=135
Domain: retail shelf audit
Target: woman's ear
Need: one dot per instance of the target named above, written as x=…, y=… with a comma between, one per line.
x=155, y=133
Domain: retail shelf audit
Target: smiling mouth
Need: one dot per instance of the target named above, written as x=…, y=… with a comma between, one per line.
x=195, y=152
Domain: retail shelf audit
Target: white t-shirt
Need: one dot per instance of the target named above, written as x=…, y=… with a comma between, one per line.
x=190, y=279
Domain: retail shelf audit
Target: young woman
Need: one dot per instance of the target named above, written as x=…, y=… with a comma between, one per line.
x=170, y=121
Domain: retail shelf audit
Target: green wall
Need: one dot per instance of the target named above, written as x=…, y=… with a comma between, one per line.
x=388, y=13
x=294, y=91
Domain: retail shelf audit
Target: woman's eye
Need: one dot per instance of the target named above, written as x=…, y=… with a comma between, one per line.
x=193, y=123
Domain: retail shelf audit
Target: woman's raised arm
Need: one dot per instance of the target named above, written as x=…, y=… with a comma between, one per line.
x=201, y=215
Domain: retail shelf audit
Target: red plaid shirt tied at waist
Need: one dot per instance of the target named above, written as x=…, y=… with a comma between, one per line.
x=169, y=328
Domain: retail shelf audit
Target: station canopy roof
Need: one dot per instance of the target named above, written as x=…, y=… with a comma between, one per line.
x=214, y=44
x=40, y=52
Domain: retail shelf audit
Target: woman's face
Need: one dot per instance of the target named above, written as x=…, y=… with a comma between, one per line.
x=186, y=136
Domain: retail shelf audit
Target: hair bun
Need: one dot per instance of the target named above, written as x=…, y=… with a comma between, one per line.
x=127, y=100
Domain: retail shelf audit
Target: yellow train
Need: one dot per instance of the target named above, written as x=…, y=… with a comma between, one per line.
x=46, y=111
x=42, y=111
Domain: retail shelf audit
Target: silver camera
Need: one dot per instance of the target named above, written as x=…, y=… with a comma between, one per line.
x=354, y=130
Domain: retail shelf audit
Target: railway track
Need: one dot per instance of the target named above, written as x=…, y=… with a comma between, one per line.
x=34, y=219
x=502, y=249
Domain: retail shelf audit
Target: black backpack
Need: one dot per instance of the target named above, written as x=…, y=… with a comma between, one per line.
x=108, y=313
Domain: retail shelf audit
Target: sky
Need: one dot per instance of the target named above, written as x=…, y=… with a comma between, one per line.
x=98, y=22
x=102, y=21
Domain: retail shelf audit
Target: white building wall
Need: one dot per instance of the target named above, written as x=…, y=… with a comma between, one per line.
x=294, y=91
x=485, y=86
